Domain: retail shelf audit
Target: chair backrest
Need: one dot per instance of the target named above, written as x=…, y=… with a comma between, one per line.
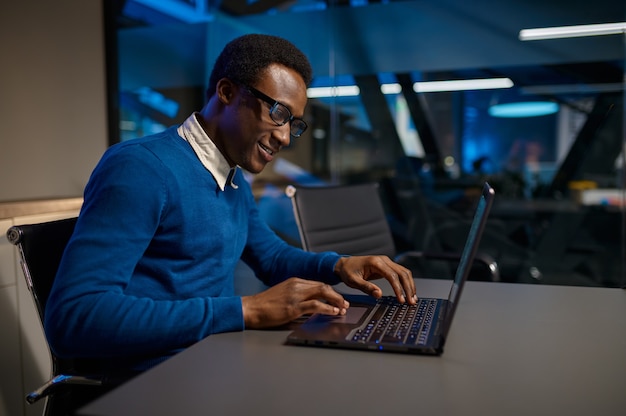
x=75, y=381
x=348, y=219
x=41, y=247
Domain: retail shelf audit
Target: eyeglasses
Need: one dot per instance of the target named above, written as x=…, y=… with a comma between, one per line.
x=280, y=114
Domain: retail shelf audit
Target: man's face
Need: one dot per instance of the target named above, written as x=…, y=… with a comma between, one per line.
x=250, y=138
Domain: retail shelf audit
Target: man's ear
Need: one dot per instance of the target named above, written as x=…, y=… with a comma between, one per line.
x=225, y=90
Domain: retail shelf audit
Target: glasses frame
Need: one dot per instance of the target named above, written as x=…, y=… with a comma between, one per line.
x=301, y=126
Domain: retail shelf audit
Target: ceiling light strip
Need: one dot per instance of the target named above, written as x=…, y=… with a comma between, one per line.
x=327, y=92
x=463, y=85
x=427, y=86
x=572, y=31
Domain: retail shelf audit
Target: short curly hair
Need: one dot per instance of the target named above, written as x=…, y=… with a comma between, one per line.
x=244, y=58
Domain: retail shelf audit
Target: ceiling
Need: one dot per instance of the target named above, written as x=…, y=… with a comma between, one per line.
x=440, y=40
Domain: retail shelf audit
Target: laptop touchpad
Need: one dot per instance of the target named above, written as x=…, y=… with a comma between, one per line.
x=353, y=315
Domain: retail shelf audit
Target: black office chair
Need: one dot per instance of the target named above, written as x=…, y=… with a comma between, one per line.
x=350, y=219
x=73, y=382
x=433, y=225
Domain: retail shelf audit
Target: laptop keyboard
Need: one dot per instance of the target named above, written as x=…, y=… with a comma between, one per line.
x=398, y=323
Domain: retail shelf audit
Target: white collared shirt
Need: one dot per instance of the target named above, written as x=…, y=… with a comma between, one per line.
x=208, y=153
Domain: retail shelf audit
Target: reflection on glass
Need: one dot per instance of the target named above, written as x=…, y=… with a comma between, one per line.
x=366, y=122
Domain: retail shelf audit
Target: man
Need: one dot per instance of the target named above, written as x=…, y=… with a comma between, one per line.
x=149, y=269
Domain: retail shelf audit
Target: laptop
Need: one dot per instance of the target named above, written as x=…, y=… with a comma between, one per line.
x=387, y=325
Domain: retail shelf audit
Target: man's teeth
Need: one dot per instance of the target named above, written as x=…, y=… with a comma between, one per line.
x=267, y=149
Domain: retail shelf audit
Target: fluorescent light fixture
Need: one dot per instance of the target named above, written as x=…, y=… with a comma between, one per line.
x=394, y=88
x=523, y=109
x=428, y=86
x=463, y=85
x=326, y=92
x=561, y=32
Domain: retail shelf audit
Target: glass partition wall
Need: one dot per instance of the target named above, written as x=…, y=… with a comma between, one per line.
x=542, y=121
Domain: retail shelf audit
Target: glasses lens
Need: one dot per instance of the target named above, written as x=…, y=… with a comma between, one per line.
x=298, y=127
x=280, y=114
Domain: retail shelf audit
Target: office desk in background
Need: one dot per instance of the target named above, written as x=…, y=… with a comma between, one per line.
x=569, y=243
x=513, y=350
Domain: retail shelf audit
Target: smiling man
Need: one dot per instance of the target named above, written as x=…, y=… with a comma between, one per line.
x=150, y=267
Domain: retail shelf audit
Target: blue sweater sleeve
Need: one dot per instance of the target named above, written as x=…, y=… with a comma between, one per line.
x=274, y=261
x=91, y=311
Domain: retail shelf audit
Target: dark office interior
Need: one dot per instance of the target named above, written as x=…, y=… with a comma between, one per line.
x=429, y=151
x=80, y=76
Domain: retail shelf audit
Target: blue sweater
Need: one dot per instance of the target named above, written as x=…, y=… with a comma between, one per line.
x=149, y=268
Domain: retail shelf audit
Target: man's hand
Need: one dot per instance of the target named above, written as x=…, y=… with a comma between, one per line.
x=289, y=300
x=357, y=271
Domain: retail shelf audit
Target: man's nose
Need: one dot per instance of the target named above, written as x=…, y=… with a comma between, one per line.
x=282, y=134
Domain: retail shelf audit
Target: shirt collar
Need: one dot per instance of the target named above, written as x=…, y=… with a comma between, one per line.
x=207, y=152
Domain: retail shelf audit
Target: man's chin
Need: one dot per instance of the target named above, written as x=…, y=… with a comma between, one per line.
x=256, y=168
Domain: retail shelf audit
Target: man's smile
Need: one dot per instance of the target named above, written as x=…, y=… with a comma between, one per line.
x=267, y=149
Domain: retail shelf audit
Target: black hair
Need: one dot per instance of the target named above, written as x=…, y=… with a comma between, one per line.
x=244, y=59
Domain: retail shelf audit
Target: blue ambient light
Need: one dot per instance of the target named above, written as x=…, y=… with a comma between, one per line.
x=523, y=109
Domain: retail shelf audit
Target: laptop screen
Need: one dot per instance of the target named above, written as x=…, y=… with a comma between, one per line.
x=469, y=251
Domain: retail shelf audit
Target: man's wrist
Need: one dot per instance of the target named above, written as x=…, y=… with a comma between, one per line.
x=339, y=265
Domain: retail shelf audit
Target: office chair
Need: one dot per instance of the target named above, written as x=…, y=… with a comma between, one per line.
x=432, y=225
x=350, y=219
x=40, y=249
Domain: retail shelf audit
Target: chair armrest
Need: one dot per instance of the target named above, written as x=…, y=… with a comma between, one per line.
x=488, y=261
x=56, y=382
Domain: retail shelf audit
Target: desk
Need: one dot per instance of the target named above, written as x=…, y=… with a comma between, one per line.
x=513, y=349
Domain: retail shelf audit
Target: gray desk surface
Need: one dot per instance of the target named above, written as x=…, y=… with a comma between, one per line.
x=513, y=350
